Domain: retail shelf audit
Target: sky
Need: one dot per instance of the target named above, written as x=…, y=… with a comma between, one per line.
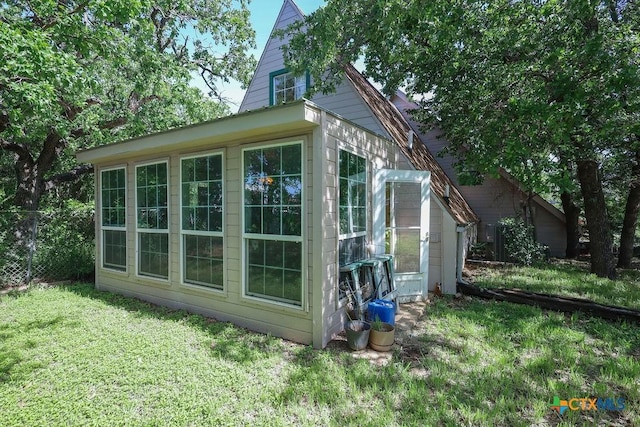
x=263, y=17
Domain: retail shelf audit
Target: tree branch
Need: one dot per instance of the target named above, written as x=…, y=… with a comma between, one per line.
x=19, y=149
x=73, y=175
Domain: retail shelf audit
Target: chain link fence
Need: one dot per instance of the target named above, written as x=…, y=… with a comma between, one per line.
x=46, y=246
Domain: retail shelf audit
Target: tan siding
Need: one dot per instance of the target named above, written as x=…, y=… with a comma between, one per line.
x=495, y=198
x=380, y=153
x=230, y=305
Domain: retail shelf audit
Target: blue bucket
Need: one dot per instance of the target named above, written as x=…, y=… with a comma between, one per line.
x=383, y=310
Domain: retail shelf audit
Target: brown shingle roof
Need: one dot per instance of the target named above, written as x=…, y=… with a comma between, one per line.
x=420, y=156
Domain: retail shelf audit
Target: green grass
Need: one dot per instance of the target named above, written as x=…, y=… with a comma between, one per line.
x=567, y=279
x=74, y=356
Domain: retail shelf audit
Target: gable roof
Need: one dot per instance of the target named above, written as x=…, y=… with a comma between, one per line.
x=405, y=106
x=384, y=115
x=419, y=155
x=289, y=13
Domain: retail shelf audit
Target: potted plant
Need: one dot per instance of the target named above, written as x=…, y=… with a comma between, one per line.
x=358, y=334
x=382, y=335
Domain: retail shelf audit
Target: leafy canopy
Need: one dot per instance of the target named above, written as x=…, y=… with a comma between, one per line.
x=529, y=86
x=81, y=73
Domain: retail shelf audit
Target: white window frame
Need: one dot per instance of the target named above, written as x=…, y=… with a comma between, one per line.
x=273, y=98
x=183, y=233
x=344, y=236
x=166, y=231
x=303, y=306
x=104, y=228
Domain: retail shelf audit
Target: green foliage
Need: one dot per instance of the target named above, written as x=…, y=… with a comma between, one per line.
x=66, y=242
x=71, y=355
x=519, y=242
x=536, y=88
x=77, y=74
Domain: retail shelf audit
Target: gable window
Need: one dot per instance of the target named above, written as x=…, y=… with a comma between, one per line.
x=202, y=220
x=152, y=220
x=273, y=225
x=113, y=196
x=286, y=87
x=352, y=200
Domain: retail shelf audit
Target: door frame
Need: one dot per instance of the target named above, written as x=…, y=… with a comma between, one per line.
x=380, y=179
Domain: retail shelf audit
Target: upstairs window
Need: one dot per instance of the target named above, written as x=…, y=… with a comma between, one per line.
x=285, y=87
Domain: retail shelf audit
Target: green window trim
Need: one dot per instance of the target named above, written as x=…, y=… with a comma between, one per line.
x=113, y=210
x=202, y=220
x=277, y=73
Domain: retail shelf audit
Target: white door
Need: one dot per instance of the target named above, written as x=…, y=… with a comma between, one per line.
x=401, y=227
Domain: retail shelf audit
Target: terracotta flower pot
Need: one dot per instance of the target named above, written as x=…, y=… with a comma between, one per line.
x=382, y=336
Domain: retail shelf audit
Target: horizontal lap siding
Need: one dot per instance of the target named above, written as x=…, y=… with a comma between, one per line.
x=228, y=305
x=435, y=246
x=380, y=153
x=257, y=95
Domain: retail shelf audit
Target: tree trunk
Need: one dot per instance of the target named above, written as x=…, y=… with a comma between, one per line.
x=595, y=209
x=571, y=214
x=628, y=232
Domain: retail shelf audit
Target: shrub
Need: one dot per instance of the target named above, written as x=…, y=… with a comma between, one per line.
x=66, y=248
x=519, y=243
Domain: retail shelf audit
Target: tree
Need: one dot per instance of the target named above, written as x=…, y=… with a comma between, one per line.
x=550, y=85
x=76, y=74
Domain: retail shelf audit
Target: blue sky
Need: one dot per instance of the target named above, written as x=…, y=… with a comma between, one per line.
x=263, y=16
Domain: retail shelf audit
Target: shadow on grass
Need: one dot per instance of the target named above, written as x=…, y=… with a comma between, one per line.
x=228, y=341
x=473, y=363
x=11, y=346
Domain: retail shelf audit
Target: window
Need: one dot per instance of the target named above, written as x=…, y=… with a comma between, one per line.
x=285, y=87
x=113, y=196
x=152, y=220
x=353, y=207
x=202, y=220
x=273, y=223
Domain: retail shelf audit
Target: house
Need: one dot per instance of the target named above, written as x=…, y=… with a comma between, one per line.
x=452, y=222
x=496, y=197
x=478, y=208
x=251, y=218
x=240, y=218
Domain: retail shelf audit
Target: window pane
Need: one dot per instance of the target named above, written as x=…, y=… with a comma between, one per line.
x=153, y=255
x=114, y=249
x=291, y=159
x=203, y=260
x=352, y=196
x=113, y=197
x=407, y=251
x=274, y=270
x=152, y=196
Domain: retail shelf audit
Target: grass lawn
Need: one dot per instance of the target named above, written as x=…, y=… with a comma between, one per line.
x=567, y=278
x=71, y=355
